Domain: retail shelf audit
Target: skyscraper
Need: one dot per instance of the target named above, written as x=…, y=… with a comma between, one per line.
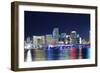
x=63, y=37
x=67, y=39
x=73, y=37
x=55, y=34
x=28, y=43
x=38, y=41
x=48, y=38
x=78, y=39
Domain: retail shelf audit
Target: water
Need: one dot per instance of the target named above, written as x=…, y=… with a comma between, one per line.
x=63, y=52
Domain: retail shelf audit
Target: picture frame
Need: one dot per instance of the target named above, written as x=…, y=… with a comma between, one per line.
x=31, y=19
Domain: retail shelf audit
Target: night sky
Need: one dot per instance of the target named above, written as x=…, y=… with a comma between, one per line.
x=42, y=23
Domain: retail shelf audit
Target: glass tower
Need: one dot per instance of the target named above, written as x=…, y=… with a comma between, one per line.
x=55, y=34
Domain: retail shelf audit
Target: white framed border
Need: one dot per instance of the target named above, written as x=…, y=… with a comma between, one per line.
x=23, y=64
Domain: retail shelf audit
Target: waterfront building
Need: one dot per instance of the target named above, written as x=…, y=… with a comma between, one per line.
x=73, y=37
x=55, y=34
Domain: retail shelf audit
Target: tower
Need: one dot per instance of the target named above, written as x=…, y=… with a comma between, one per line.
x=73, y=37
x=55, y=34
x=63, y=37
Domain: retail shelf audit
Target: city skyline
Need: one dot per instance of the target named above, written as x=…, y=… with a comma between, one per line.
x=42, y=23
x=56, y=38
x=56, y=46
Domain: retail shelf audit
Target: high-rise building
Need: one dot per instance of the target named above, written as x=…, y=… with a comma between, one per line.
x=28, y=39
x=55, y=34
x=67, y=40
x=28, y=43
x=63, y=37
x=85, y=40
x=38, y=41
x=73, y=37
x=78, y=39
x=48, y=38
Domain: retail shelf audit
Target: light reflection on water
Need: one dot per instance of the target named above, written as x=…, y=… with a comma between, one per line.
x=59, y=52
